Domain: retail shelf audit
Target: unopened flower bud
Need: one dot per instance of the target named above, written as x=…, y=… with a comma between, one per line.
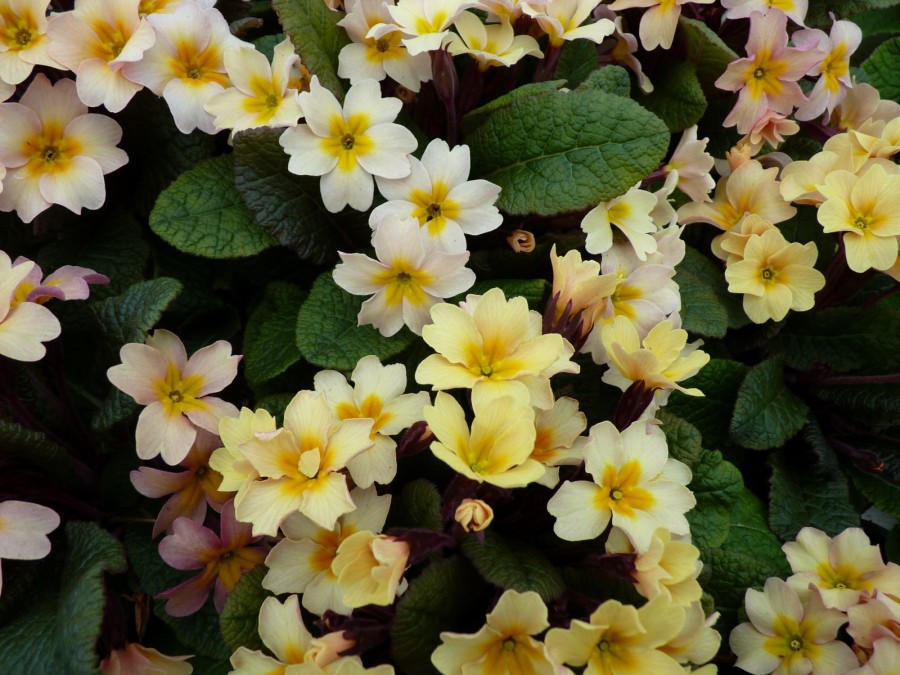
x=521, y=241
x=474, y=515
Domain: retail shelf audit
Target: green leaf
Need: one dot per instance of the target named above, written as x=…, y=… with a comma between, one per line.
x=716, y=484
x=316, y=36
x=677, y=97
x=202, y=213
x=577, y=61
x=566, y=151
x=766, y=413
x=705, y=50
x=611, y=79
x=327, y=331
x=116, y=407
x=711, y=413
x=881, y=69
x=878, y=21
x=683, y=438
x=800, y=498
x=475, y=118
x=57, y=633
x=880, y=490
x=441, y=598
x=269, y=344
x=275, y=404
x=128, y=317
x=515, y=564
x=239, y=621
x=420, y=505
x=707, y=308
x=287, y=206
x=819, y=11
x=875, y=398
x=39, y=450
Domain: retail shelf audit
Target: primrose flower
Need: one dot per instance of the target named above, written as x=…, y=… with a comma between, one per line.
x=784, y=635
x=659, y=21
x=834, y=69
x=283, y=632
x=697, y=642
x=67, y=283
x=562, y=20
x=186, y=66
x=95, y=41
x=743, y=9
x=223, y=558
x=620, y=639
x=494, y=344
x=439, y=195
x=23, y=531
x=490, y=45
x=579, y=295
x=175, y=390
x=498, y=448
x=236, y=470
x=693, y=165
x=369, y=568
x=867, y=209
x=410, y=276
x=6, y=91
x=378, y=395
x=55, y=151
x=842, y=569
x=191, y=490
x=630, y=213
x=767, y=78
x=505, y=644
x=24, y=326
x=134, y=658
x=556, y=440
x=376, y=58
x=23, y=39
x=862, y=108
x=426, y=22
x=260, y=95
x=771, y=128
x=635, y=484
x=348, y=146
x=885, y=659
x=876, y=617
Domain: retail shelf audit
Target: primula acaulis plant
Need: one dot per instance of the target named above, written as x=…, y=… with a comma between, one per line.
x=450, y=336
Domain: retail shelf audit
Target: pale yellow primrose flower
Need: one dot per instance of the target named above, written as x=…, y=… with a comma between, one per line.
x=729, y=246
x=426, y=22
x=175, y=390
x=134, y=658
x=498, y=448
x=490, y=45
x=786, y=636
x=635, y=484
x=497, y=346
x=410, y=276
x=23, y=39
x=24, y=326
x=23, y=531
x=864, y=110
x=877, y=616
x=556, y=438
x=95, y=41
x=504, y=644
x=377, y=394
x=775, y=276
x=562, y=20
x=698, y=642
x=259, y=95
x=369, y=568
x=236, y=470
x=621, y=640
x=693, y=165
x=282, y=630
x=579, y=287
x=867, y=209
x=843, y=569
x=299, y=466
x=885, y=660
x=630, y=213
x=347, y=146
x=301, y=562
x=659, y=21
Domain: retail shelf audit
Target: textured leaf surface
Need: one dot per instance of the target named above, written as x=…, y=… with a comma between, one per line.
x=327, y=331
x=420, y=505
x=611, y=79
x=128, y=317
x=711, y=413
x=37, y=449
x=705, y=50
x=677, y=97
x=566, y=151
x=766, y=413
x=707, y=308
x=881, y=69
x=684, y=440
x=239, y=621
x=269, y=339
x=577, y=61
x=716, y=484
x=202, y=213
x=515, y=564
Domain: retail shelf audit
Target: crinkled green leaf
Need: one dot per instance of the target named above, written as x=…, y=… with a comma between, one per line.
x=819, y=12
x=799, y=498
x=882, y=491
x=57, y=633
x=611, y=79
x=239, y=621
x=881, y=69
x=684, y=440
x=878, y=21
x=202, y=213
x=116, y=407
x=316, y=36
x=287, y=206
x=577, y=61
x=711, y=413
x=513, y=563
x=875, y=398
x=327, y=332
x=441, y=598
x=707, y=308
x=677, y=97
x=766, y=413
x=128, y=317
x=39, y=450
x=269, y=339
x=566, y=151
x=716, y=484
x=705, y=50
x=420, y=505
x=479, y=116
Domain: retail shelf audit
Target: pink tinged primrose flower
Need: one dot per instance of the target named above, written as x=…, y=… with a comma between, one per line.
x=135, y=659
x=23, y=39
x=191, y=490
x=790, y=636
x=55, y=151
x=95, y=41
x=223, y=559
x=771, y=128
x=767, y=78
x=744, y=9
x=693, y=165
x=24, y=326
x=23, y=531
x=659, y=22
x=67, y=283
x=885, y=659
x=834, y=69
x=877, y=616
x=186, y=66
x=410, y=276
x=175, y=390
x=347, y=146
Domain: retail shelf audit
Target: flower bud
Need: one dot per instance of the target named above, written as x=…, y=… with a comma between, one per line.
x=474, y=515
x=369, y=568
x=521, y=241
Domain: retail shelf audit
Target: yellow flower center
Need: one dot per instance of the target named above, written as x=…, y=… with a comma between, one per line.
x=796, y=644
x=603, y=646
x=271, y=101
x=176, y=396
x=23, y=38
x=759, y=73
x=433, y=211
x=768, y=275
x=509, y=645
x=862, y=222
x=433, y=208
x=348, y=140
x=621, y=492
x=383, y=44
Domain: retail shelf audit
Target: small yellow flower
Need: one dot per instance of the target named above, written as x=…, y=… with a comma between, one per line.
x=369, y=568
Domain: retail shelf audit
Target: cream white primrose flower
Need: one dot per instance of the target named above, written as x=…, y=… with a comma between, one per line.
x=6, y=90
x=562, y=20
x=95, y=41
x=259, y=95
x=24, y=326
x=490, y=45
x=23, y=531
x=630, y=213
x=742, y=9
x=377, y=58
x=347, y=146
x=438, y=193
x=426, y=22
x=635, y=484
x=377, y=394
x=186, y=66
x=23, y=39
x=410, y=276
x=55, y=151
